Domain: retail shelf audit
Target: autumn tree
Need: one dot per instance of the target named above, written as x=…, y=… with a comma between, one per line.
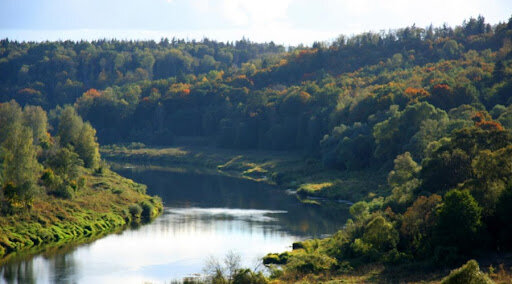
x=418, y=224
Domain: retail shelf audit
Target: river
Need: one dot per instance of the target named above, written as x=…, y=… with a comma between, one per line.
x=206, y=215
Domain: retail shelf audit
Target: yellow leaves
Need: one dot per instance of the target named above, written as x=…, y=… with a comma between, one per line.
x=92, y=93
x=313, y=187
x=28, y=92
x=304, y=96
x=484, y=121
x=179, y=89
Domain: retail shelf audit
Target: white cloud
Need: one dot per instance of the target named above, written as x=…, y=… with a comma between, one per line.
x=361, y=15
x=262, y=13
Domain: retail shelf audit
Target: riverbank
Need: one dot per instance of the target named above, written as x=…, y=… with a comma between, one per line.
x=107, y=203
x=314, y=183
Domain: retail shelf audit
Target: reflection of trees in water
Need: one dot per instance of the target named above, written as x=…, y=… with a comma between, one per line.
x=62, y=265
x=191, y=189
x=18, y=273
x=24, y=267
x=193, y=222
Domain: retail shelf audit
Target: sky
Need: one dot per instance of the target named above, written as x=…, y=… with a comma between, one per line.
x=288, y=22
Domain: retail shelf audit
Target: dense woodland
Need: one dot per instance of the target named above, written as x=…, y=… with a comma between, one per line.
x=431, y=105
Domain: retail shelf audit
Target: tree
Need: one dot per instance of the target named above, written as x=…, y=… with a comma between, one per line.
x=35, y=118
x=81, y=136
x=404, y=170
x=402, y=179
x=492, y=175
x=20, y=166
x=445, y=169
x=459, y=221
x=380, y=234
x=87, y=147
x=504, y=216
x=418, y=224
x=393, y=134
x=65, y=163
x=10, y=119
x=70, y=126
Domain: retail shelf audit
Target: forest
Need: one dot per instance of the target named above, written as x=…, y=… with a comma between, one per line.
x=431, y=107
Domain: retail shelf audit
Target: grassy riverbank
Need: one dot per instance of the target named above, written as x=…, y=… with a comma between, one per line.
x=292, y=171
x=107, y=203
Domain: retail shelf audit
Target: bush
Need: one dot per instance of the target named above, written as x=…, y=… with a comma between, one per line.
x=271, y=258
x=274, y=258
x=469, y=273
x=147, y=210
x=135, y=211
x=82, y=181
x=361, y=248
x=246, y=276
x=63, y=191
x=310, y=263
x=380, y=234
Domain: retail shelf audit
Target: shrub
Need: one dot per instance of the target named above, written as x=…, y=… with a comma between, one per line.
x=310, y=263
x=63, y=191
x=135, y=211
x=361, y=248
x=246, y=276
x=147, y=210
x=274, y=258
x=469, y=273
x=380, y=234
x=82, y=181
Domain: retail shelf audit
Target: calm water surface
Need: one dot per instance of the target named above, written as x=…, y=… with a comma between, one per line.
x=206, y=215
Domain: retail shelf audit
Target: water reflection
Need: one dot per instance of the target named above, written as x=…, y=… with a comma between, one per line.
x=205, y=215
x=192, y=189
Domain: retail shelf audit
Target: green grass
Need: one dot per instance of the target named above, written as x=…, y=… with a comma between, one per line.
x=101, y=207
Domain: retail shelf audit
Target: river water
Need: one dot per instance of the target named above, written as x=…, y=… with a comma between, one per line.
x=206, y=215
